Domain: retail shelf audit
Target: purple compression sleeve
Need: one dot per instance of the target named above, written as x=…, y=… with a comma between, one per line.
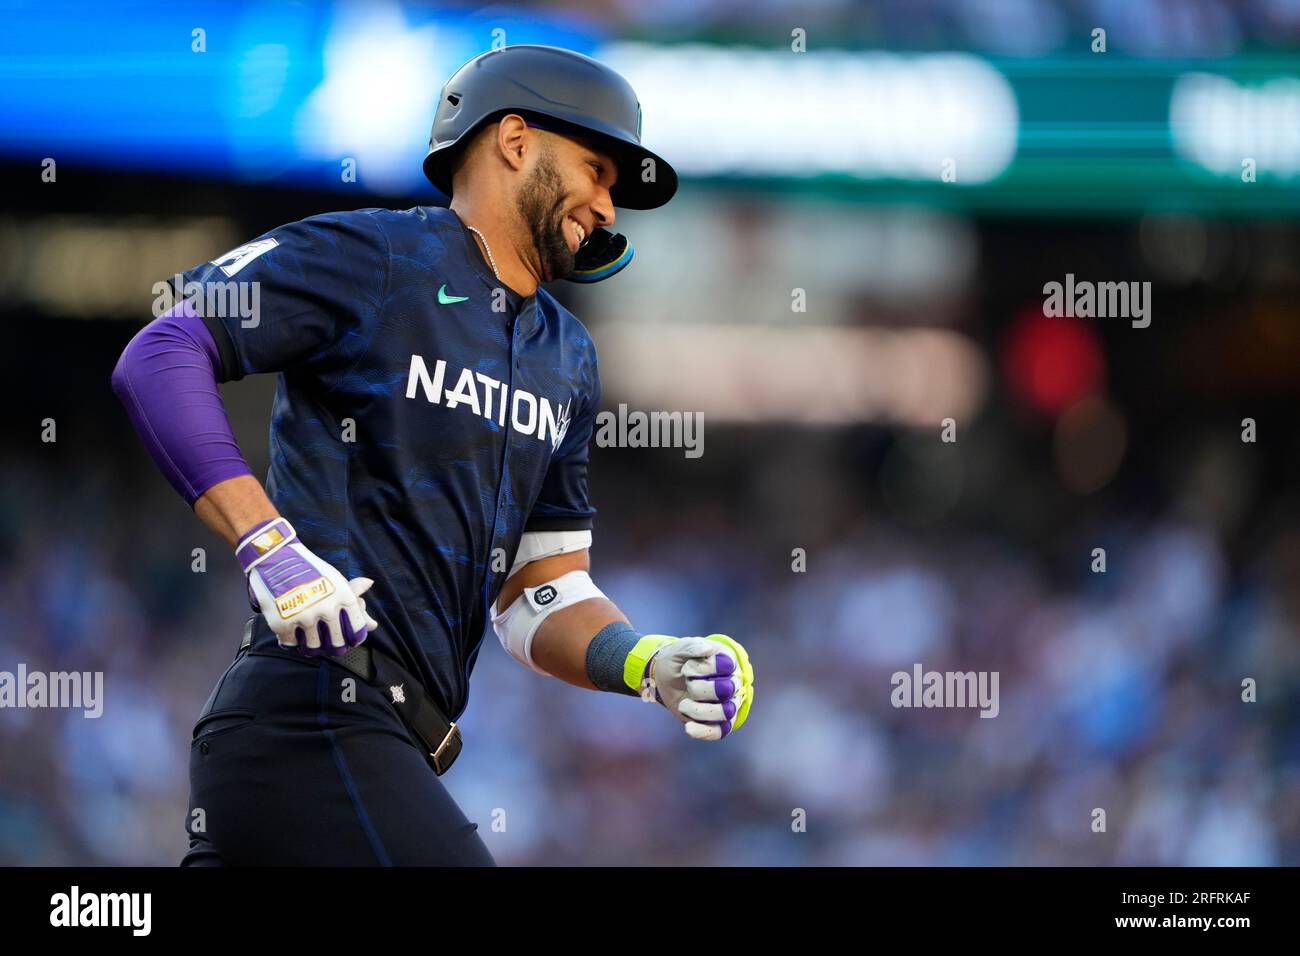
x=167, y=379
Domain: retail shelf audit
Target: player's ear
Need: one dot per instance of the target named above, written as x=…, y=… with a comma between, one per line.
x=512, y=139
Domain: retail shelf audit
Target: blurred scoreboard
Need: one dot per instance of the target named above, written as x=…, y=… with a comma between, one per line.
x=342, y=95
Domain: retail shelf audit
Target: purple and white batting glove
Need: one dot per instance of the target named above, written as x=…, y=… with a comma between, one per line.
x=309, y=605
x=706, y=682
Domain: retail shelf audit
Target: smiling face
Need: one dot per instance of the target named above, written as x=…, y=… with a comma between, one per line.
x=564, y=197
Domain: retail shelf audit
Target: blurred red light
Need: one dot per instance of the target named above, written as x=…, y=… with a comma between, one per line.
x=1051, y=362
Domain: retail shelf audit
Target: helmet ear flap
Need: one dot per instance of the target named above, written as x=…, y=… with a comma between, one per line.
x=604, y=254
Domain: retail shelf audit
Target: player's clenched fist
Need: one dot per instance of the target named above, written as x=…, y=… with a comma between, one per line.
x=706, y=682
x=307, y=603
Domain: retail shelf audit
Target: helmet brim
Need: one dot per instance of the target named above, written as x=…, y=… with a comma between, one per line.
x=645, y=179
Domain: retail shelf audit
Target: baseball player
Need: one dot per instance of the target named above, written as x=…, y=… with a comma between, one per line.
x=428, y=479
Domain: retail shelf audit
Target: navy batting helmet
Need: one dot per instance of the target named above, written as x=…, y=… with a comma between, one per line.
x=566, y=91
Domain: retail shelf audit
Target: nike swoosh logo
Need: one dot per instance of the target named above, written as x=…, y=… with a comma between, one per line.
x=445, y=299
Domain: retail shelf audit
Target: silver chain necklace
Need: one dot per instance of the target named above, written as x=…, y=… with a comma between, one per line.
x=492, y=262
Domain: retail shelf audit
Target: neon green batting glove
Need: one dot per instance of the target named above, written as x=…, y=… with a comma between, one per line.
x=706, y=682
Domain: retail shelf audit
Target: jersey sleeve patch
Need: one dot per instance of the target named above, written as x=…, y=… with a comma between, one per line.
x=236, y=259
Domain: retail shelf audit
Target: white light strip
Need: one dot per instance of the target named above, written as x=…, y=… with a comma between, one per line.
x=88, y=267
x=1217, y=124
x=808, y=375
x=714, y=110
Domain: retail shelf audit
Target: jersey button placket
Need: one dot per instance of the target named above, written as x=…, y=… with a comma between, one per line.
x=505, y=472
x=509, y=431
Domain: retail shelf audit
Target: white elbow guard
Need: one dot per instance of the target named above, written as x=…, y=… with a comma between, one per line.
x=535, y=545
x=516, y=625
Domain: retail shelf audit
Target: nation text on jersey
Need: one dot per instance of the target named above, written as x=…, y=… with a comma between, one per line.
x=529, y=414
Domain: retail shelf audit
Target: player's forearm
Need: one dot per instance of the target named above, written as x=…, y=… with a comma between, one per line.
x=233, y=506
x=706, y=682
x=561, y=643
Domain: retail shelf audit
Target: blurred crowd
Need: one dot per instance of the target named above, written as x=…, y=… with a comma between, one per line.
x=1120, y=691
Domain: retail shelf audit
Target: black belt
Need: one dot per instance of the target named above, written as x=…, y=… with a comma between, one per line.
x=439, y=736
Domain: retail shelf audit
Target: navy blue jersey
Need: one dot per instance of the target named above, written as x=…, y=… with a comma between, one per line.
x=425, y=415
